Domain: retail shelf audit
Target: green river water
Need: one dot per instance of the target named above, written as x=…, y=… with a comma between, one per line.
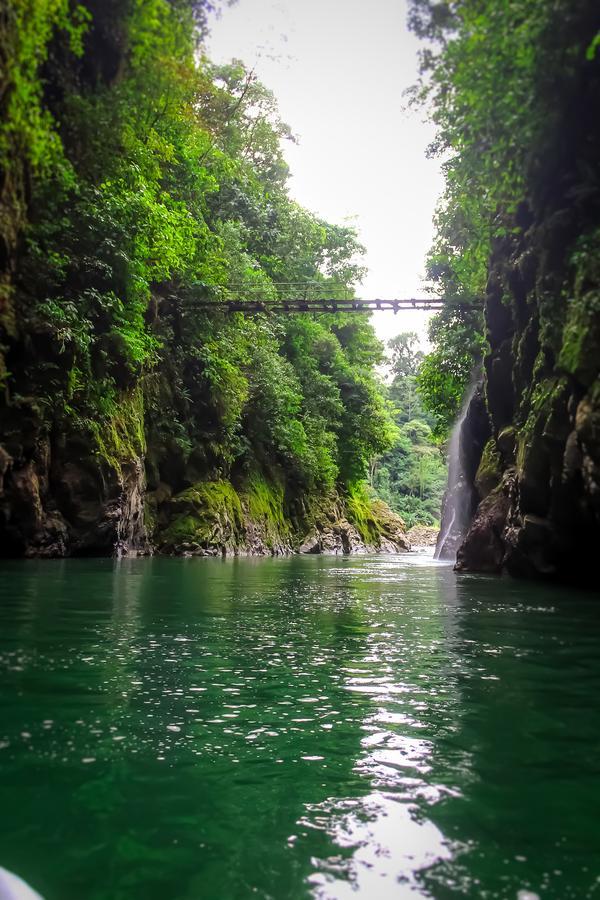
x=363, y=727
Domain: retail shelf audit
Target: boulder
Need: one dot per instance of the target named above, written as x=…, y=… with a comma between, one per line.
x=483, y=548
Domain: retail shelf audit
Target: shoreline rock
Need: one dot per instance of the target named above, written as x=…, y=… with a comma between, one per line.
x=422, y=536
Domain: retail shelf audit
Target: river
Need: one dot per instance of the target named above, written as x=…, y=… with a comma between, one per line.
x=356, y=727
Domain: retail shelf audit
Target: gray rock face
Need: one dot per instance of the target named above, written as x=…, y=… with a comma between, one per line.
x=341, y=537
x=132, y=538
x=61, y=503
x=422, y=536
x=543, y=520
x=483, y=549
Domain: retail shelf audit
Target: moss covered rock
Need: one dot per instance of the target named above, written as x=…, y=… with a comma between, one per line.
x=489, y=472
x=206, y=516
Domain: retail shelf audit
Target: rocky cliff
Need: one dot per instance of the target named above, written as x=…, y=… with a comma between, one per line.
x=73, y=489
x=537, y=480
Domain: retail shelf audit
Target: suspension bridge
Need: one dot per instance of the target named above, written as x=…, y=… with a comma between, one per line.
x=326, y=305
x=300, y=297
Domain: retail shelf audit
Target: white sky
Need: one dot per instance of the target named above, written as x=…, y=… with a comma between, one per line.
x=338, y=69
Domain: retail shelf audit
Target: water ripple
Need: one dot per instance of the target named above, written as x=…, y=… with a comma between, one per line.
x=296, y=728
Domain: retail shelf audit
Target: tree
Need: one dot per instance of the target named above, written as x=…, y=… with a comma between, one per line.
x=411, y=475
x=406, y=357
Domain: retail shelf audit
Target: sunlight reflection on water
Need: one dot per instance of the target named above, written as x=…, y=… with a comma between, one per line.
x=386, y=842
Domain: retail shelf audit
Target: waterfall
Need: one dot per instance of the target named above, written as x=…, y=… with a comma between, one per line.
x=458, y=499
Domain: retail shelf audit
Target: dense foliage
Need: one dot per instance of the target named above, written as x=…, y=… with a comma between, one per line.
x=143, y=178
x=411, y=476
x=490, y=72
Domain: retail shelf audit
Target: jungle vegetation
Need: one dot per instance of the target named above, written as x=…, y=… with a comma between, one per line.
x=138, y=177
x=411, y=475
